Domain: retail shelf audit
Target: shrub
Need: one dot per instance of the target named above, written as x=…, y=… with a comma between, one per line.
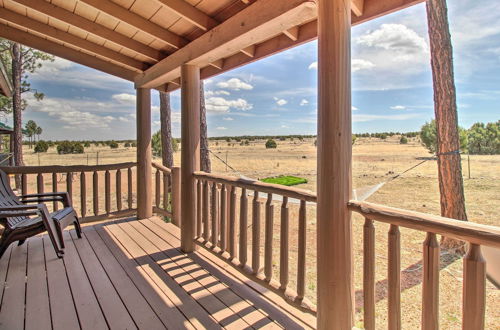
x=286, y=180
x=428, y=136
x=127, y=145
x=86, y=144
x=271, y=144
x=353, y=139
x=41, y=146
x=282, y=138
x=484, y=139
x=68, y=147
x=156, y=144
x=113, y=145
x=134, y=144
x=403, y=140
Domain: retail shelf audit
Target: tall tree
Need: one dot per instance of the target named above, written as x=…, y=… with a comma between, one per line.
x=167, y=154
x=445, y=107
x=30, y=130
x=205, y=152
x=38, y=132
x=21, y=61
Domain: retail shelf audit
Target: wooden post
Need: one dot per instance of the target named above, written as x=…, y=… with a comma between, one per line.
x=190, y=151
x=334, y=232
x=176, y=196
x=144, y=184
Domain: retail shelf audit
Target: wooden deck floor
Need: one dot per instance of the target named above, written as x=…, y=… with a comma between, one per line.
x=129, y=274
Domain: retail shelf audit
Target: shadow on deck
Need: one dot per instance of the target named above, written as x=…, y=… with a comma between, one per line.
x=128, y=274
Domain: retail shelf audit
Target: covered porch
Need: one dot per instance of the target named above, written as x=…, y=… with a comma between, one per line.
x=225, y=260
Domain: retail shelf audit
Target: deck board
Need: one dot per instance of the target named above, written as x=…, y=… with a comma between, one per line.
x=127, y=274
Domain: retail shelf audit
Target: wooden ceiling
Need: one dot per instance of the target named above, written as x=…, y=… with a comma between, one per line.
x=5, y=85
x=146, y=41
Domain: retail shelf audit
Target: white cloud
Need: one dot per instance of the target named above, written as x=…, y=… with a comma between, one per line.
x=234, y=84
x=212, y=93
x=220, y=104
x=57, y=65
x=304, y=102
x=356, y=65
x=398, y=107
x=124, y=98
x=221, y=128
x=364, y=118
x=280, y=102
x=228, y=119
x=353, y=108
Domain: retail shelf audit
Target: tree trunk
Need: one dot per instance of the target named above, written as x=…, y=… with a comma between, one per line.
x=204, y=151
x=17, y=104
x=445, y=108
x=167, y=152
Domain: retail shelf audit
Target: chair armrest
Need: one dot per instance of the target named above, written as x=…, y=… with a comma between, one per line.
x=21, y=210
x=62, y=197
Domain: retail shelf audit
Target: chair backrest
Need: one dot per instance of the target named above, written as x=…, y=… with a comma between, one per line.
x=8, y=198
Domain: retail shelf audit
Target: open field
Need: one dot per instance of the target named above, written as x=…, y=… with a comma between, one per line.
x=374, y=161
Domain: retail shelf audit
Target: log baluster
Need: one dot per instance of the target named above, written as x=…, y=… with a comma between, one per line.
x=129, y=188
x=118, y=183
x=268, y=252
x=205, y=211
x=83, y=195
x=369, y=274
x=214, y=214
x=223, y=218
x=284, y=244
x=107, y=192
x=301, y=258
x=24, y=184
x=39, y=183
x=166, y=192
x=394, y=278
x=474, y=289
x=430, y=283
x=69, y=185
x=157, y=188
x=199, y=213
x=242, y=255
x=232, y=222
x=255, y=233
x=55, y=205
x=95, y=191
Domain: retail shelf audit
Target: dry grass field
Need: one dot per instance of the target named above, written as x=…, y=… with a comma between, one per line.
x=374, y=161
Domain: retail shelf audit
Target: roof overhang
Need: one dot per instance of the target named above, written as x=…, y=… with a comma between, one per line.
x=5, y=84
x=148, y=41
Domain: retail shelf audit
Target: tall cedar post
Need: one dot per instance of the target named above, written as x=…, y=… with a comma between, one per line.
x=205, y=164
x=334, y=232
x=167, y=152
x=144, y=184
x=445, y=107
x=190, y=151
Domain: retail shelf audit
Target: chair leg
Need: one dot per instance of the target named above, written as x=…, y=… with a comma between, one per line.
x=59, y=231
x=4, y=243
x=78, y=228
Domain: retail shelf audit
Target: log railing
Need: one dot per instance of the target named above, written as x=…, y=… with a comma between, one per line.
x=106, y=200
x=223, y=226
x=166, y=200
x=474, y=271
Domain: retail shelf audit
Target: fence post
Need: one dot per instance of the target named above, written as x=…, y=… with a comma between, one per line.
x=176, y=196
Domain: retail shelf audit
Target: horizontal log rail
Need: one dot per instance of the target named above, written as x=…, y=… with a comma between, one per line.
x=81, y=181
x=474, y=269
x=236, y=221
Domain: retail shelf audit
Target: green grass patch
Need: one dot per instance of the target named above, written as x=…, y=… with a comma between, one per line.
x=285, y=180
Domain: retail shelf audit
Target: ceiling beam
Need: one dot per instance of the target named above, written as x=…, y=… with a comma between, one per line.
x=91, y=27
x=68, y=38
x=219, y=64
x=292, y=33
x=357, y=7
x=307, y=32
x=138, y=22
x=249, y=51
x=251, y=25
x=190, y=13
x=56, y=49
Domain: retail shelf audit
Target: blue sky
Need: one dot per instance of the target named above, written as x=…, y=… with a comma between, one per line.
x=392, y=86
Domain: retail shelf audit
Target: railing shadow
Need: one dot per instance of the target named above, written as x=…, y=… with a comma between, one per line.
x=411, y=276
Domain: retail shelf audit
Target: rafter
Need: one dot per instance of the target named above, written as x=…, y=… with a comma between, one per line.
x=53, y=48
x=89, y=26
x=49, y=31
x=137, y=21
x=253, y=24
x=190, y=13
x=249, y=51
x=219, y=64
x=292, y=33
x=357, y=7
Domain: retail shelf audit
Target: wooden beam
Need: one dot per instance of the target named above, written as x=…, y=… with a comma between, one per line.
x=190, y=13
x=91, y=27
x=137, y=22
x=219, y=64
x=49, y=31
x=292, y=33
x=253, y=24
x=357, y=7
x=249, y=51
x=334, y=232
x=190, y=152
x=53, y=48
x=144, y=183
